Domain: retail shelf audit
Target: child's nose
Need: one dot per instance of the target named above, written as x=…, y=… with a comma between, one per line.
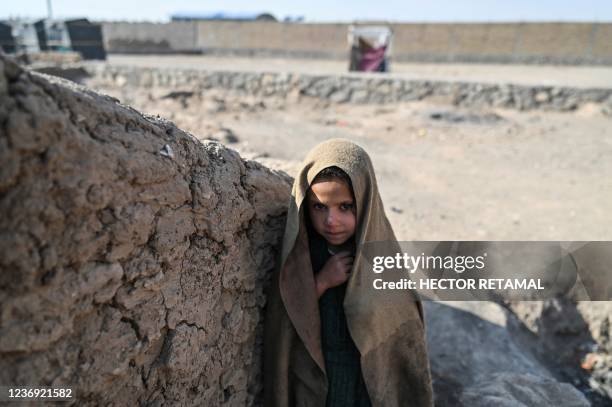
x=330, y=219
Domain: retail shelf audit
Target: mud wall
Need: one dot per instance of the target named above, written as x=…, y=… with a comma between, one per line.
x=150, y=37
x=354, y=88
x=133, y=258
x=561, y=43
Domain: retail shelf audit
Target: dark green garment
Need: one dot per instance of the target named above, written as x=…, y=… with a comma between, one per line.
x=342, y=359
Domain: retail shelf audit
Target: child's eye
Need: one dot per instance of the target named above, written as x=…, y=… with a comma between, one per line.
x=346, y=206
x=318, y=206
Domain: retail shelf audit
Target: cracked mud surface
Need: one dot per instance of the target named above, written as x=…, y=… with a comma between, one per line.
x=133, y=257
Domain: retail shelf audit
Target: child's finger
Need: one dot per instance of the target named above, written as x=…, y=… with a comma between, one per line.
x=347, y=260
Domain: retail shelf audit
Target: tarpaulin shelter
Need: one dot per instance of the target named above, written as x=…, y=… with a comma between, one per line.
x=7, y=41
x=26, y=39
x=86, y=38
x=52, y=35
x=78, y=35
x=370, y=48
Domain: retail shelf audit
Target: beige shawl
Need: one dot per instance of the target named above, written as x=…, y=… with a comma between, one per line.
x=387, y=326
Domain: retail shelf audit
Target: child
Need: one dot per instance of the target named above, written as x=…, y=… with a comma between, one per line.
x=330, y=338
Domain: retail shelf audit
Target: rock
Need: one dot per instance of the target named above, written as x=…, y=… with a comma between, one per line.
x=542, y=96
x=465, y=117
x=178, y=95
x=340, y=96
x=516, y=390
x=509, y=366
x=573, y=337
x=166, y=151
x=225, y=135
x=75, y=73
x=455, y=329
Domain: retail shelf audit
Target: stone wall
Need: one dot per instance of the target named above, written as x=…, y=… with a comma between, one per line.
x=561, y=43
x=355, y=88
x=133, y=257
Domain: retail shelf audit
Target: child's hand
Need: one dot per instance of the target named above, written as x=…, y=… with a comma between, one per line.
x=334, y=272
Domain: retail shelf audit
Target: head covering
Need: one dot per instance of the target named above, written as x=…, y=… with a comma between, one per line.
x=387, y=326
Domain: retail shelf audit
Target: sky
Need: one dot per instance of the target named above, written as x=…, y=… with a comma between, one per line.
x=324, y=10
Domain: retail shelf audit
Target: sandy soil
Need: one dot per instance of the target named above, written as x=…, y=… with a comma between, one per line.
x=444, y=173
x=551, y=75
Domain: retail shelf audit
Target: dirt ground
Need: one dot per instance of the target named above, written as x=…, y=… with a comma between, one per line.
x=549, y=75
x=444, y=173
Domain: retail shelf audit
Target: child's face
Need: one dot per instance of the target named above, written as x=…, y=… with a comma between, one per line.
x=332, y=210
